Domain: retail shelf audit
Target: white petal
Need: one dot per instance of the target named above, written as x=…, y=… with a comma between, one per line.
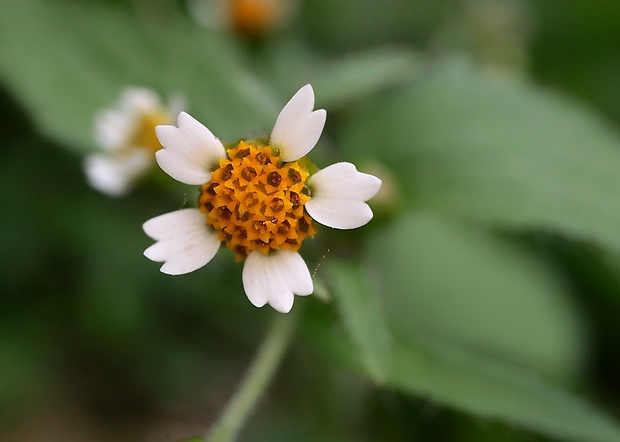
x=184, y=241
x=115, y=174
x=113, y=129
x=139, y=100
x=115, y=126
x=182, y=168
x=275, y=278
x=190, y=151
x=298, y=128
x=174, y=224
x=338, y=195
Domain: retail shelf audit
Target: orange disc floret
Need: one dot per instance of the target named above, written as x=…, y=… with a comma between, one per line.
x=253, y=18
x=256, y=201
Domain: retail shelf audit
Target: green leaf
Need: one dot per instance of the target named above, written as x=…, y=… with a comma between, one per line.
x=362, y=314
x=363, y=74
x=349, y=25
x=495, y=390
x=497, y=150
x=468, y=311
x=465, y=286
x=64, y=61
x=454, y=375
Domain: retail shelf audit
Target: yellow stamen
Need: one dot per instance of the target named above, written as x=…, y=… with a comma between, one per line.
x=144, y=135
x=256, y=201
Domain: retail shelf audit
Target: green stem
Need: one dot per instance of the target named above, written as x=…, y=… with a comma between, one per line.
x=264, y=366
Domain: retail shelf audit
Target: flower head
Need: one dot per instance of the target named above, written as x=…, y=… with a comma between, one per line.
x=260, y=198
x=249, y=18
x=126, y=135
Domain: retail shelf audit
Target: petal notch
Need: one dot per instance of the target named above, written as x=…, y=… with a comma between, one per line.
x=275, y=278
x=338, y=197
x=184, y=241
x=298, y=127
x=190, y=150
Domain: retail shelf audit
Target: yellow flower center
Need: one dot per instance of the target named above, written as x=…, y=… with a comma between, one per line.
x=253, y=17
x=144, y=134
x=256, y=201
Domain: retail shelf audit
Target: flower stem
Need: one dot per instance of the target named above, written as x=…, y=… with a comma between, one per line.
x=263, y=367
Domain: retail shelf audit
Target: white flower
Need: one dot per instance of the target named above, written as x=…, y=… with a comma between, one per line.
x=126, y=135
x=259, y=199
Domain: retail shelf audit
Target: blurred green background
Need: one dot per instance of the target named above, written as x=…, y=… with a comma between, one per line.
x=481, y=303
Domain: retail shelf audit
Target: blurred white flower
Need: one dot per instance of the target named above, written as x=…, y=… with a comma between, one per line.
x=260, y=198
x=126, y=136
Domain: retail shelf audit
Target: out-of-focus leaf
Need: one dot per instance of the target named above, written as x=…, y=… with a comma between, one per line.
x=428, y=355
x=66, y=60
x=497, y=150
x=580, y=61
x=488, y=388
x=363, y=74
x=363, y=316
x=23, y=373
x=354, y=24
x=460, y=284
x=473, y=383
